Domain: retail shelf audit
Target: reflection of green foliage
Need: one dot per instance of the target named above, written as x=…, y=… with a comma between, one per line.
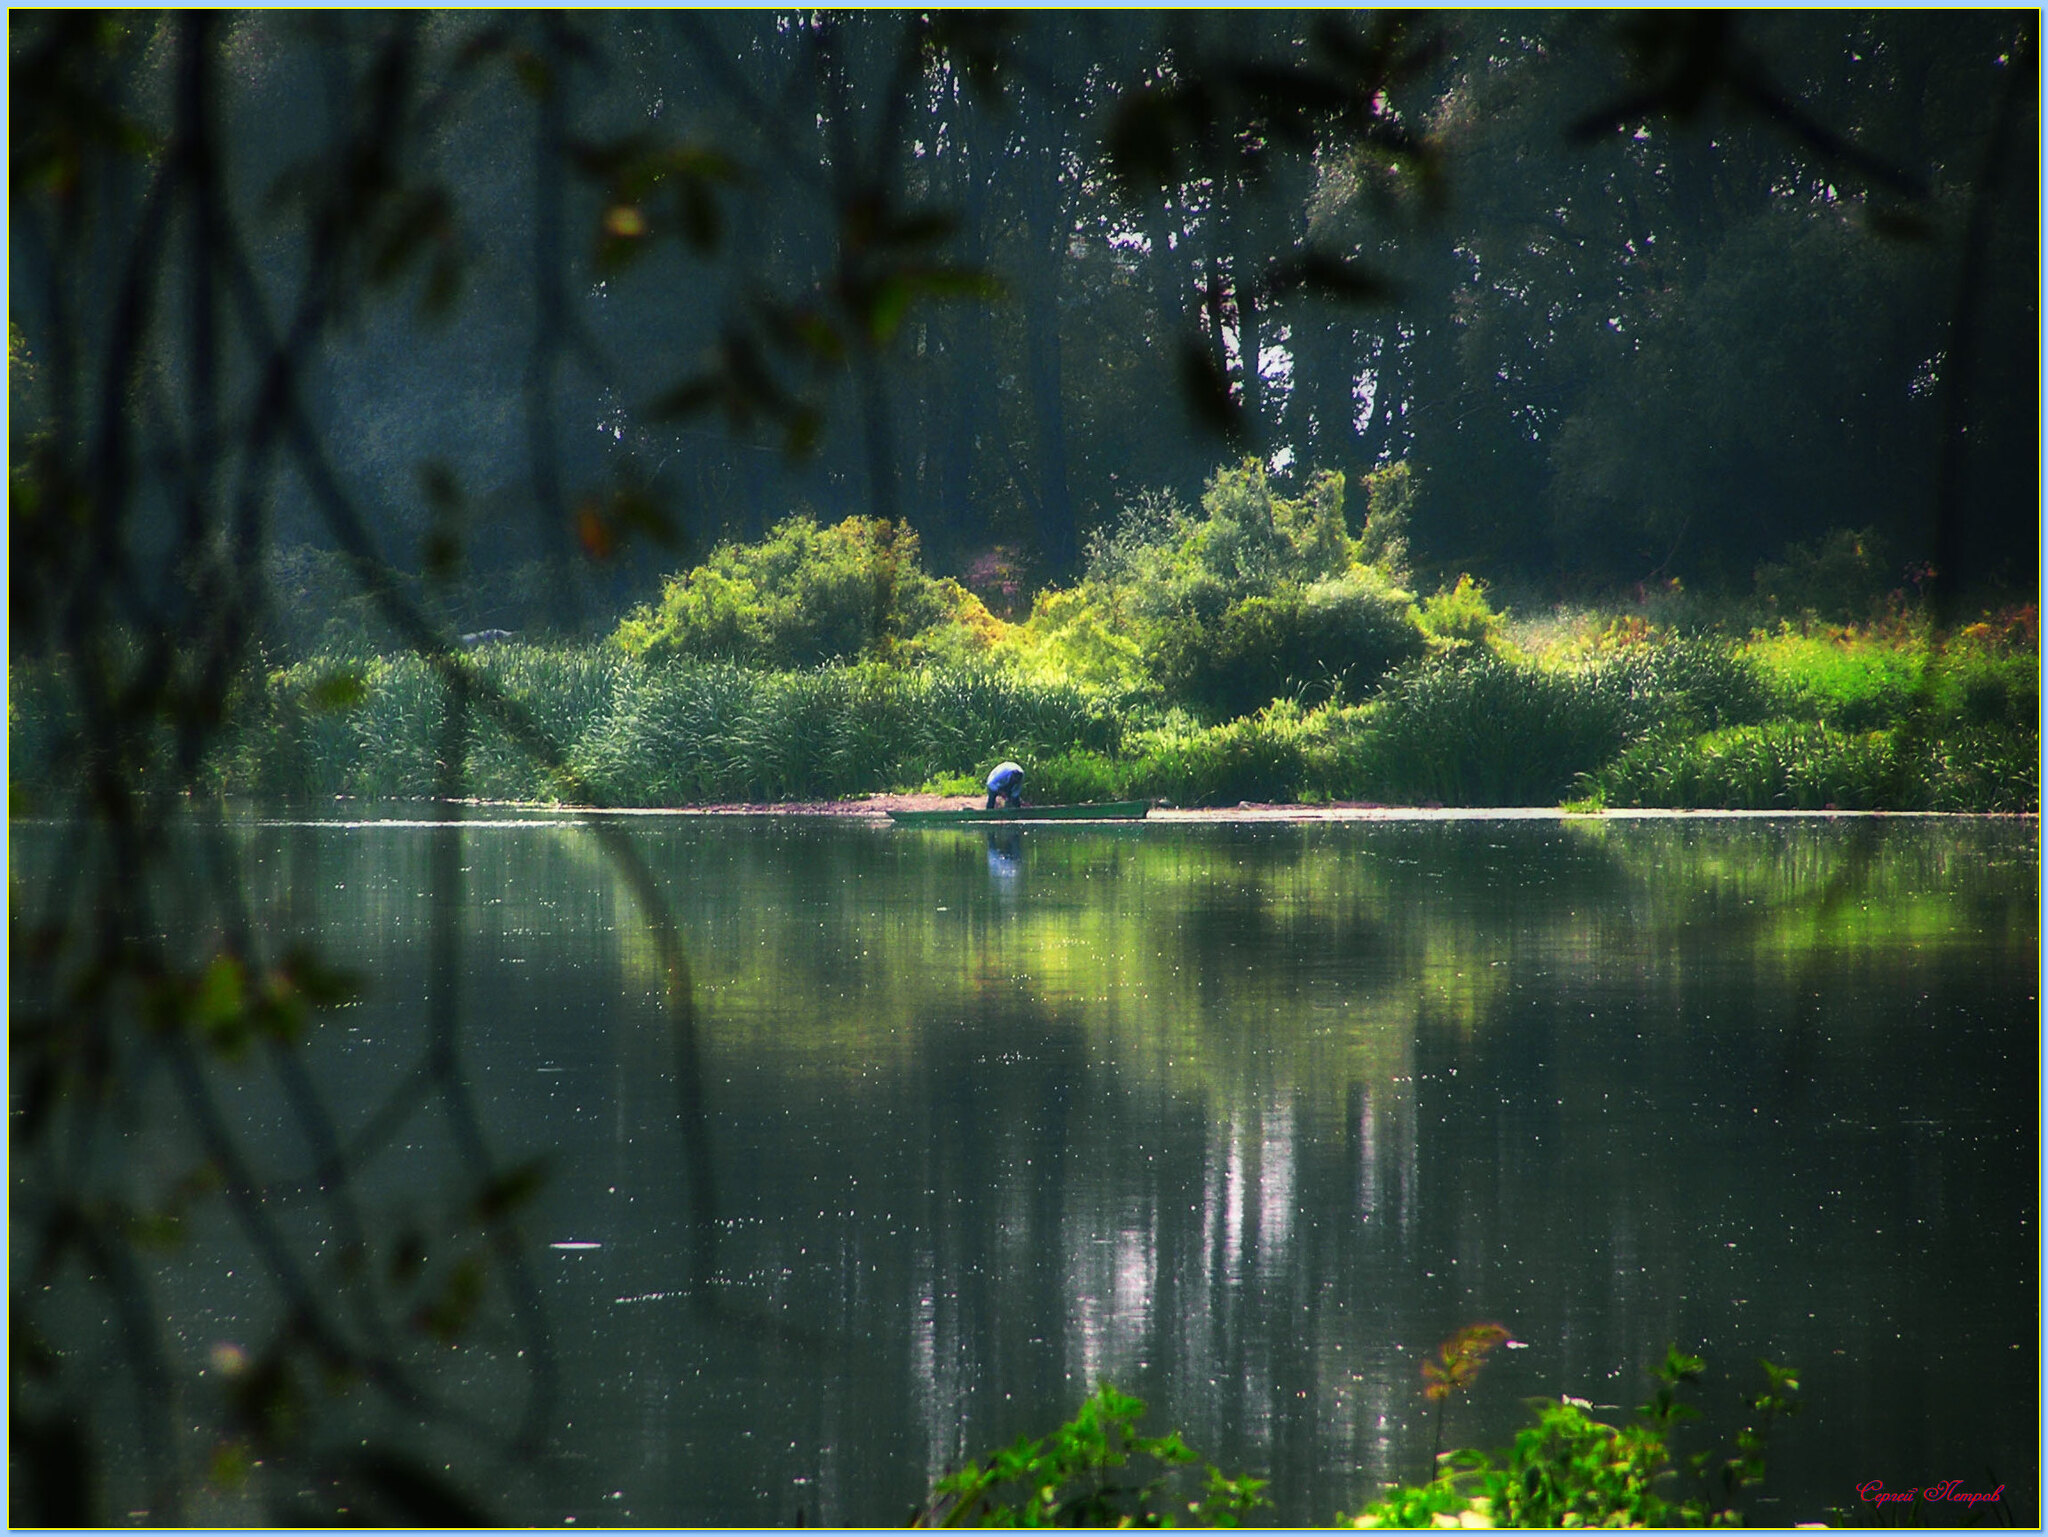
x=1156, y=963
x=1571, y=1470
x=1076, y=1477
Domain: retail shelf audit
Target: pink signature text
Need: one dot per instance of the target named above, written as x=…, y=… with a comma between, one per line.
x=1951, y=1492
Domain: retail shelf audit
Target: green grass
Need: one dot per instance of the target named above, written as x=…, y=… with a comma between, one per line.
x=1616, y=714
x=1485, y=731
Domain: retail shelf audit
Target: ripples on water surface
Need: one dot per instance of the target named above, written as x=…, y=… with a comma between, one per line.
x=1244, y=1119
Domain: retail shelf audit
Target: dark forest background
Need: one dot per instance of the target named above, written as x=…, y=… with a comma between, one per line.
x=1635, y=298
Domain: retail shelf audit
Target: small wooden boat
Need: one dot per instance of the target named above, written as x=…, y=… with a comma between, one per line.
x=1097, y=811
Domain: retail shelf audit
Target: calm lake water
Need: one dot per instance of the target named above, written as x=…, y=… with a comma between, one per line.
x=1245, y=1119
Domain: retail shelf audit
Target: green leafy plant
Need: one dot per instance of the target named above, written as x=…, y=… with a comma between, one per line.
x=1457, y=1364
x=1095, y=1470
x=1484, y=731
x=1459, y=618
x=1568, y=1469
x=1308, y=645
x=804, y=594
x=1839, y=577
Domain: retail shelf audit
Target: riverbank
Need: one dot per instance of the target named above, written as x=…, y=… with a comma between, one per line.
x=876, y=808
x=1841, y=720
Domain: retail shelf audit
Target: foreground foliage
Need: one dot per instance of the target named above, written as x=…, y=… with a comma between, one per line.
x=1566, y=1469
x=1077, y=1476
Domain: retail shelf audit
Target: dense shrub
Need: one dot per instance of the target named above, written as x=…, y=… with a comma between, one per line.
x=1983, y=768
x=1848, y=679
x=1389, y=498
x=1252, y=759
x=1782, y=765
x=1698, y=680
x=801, y=596
x=1281, y=754
x=695, y=731
x=1339, y=635
x=1841, y=578
x=1084, y=634
x=1483, y=731
x=1459, y=618
x=1812, y=766
x=1077, y=776
x=1250, y=542
x=1093, y=1471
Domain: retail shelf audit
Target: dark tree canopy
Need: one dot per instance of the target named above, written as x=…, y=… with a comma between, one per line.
x=1636, y=299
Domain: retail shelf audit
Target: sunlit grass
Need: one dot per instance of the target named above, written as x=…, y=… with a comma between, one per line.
x=1578, y=708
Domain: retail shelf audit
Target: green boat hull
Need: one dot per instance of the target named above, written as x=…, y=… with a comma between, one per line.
x=1101, y=811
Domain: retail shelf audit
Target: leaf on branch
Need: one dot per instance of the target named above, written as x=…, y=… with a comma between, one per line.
x=447, y=1316
x=1459, y=1359
x=593, y=533
x=509, y=1189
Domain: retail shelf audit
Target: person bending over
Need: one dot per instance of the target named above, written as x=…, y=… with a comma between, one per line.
x=1005, y=784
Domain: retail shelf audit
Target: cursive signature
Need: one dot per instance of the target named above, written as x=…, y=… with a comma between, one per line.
x=1952, y=1492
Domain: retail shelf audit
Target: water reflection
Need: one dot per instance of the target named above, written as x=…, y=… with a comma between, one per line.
x=1005, y=855
x=1245, y=1120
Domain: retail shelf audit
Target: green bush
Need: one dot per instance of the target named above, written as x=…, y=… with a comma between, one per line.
x=1077, y=1476
x=1483, y=731
x=564, y=691
x=1571, y=1470
x=1841, y=578
x=1849, y=680
x=1074, y=777
x=1281, y=754
x=713, y=731
x=1696, y=679
x=1984, y=768
x=1250, y=542
x=1781, y=765
x=802, y=596
x=1459, y=618
x=1389, y=498
x=1310, y=646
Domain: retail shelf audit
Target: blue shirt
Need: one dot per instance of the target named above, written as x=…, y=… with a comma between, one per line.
x=1006, y=779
